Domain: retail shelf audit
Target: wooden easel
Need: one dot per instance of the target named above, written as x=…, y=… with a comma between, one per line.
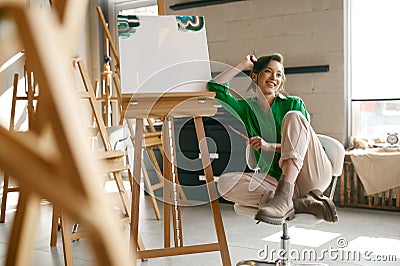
x=113, y=164
x=53, y=151
x=152, y=138
x=6, y=186
x=166, y=107
x=105, y=96
x=105, y=92
x=30, y=96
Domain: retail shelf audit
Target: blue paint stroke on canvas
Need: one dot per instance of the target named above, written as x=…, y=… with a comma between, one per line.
x=190, y=23
x=127, y=25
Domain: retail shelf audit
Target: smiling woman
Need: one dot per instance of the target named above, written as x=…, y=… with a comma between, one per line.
x=291, y=159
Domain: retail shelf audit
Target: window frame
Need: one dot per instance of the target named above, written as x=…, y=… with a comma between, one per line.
x=350, y=116
x=117, y=6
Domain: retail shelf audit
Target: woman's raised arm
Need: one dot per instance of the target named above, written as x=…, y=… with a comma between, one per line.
x=229, y=74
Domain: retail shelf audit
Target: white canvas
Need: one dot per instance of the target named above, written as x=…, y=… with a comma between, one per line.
x=159, y=56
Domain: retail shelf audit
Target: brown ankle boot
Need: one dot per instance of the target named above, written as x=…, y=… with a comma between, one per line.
x=280, y=207
x=316, y=203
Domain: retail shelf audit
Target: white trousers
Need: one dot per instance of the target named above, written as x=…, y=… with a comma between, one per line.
x=300, y=144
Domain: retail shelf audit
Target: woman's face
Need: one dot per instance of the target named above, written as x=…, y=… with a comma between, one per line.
x=270, y=78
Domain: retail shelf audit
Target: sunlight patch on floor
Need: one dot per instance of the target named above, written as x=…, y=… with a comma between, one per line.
x=376, y=246
x=304, y=237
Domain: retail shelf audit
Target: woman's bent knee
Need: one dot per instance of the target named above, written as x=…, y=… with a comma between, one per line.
x=227, y=182
x=294, y=115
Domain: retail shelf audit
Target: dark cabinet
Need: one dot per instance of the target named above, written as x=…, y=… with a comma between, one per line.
x=226, y=148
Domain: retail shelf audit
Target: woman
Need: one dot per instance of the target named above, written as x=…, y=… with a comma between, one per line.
x=294, y=166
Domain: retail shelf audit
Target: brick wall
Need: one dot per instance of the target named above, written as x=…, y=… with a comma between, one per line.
x=306, y=32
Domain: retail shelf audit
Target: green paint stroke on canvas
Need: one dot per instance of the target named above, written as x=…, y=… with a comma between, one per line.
x=190, y=23
x=127, y=25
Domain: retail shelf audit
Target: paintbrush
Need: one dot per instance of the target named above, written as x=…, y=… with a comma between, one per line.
x=238, y=132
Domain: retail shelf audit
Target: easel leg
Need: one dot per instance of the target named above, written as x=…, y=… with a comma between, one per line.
x=66, y=239
x=6, y=185
x=155, y=163
x=212, y=191
x=167, y=172
x=146, y=178
x=4, y=198
x=147, y=183
x=176, y=209
x=23, y=233
x=136, y=185
x=54, y=227
x=122, y=192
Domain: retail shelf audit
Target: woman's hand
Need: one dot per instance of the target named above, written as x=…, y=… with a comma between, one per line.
x=259, y=144
x=248, y=63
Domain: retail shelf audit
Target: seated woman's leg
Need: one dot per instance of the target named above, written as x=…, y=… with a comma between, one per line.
x=234, y=187
x=302, y=157
x=303, y=162
x=316, y=172
x=314, y=168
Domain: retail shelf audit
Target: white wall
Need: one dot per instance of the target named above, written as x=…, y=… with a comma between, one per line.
x=306, y=32
x=87, y=47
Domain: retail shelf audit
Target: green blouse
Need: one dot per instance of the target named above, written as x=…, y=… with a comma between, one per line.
x=258, y=123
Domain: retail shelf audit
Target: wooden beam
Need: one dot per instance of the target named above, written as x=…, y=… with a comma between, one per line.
x=59, y=8
x=161, y=7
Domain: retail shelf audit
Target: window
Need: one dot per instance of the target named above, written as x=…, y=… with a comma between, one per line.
x=133, y=7
x=151, y=10
x=374, y=67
